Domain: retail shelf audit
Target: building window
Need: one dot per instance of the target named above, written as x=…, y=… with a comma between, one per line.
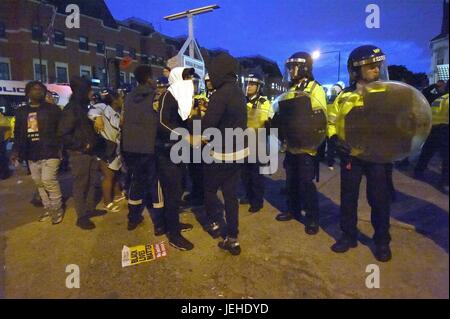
x=100, y=74
x=119, y=50
x=101, y=47
x=62, y=72
x=5, y=69
x=132, y=53
x=60, y=38
x=40, y=70
x=144, y=59
x=36, y=33
x=84, y=43
x=2, y=30
x=85, y=72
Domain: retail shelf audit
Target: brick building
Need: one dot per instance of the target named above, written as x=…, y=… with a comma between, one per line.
x=88, y=51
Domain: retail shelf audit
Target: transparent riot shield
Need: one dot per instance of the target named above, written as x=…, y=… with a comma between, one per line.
x=301, y=119
x=384, y=121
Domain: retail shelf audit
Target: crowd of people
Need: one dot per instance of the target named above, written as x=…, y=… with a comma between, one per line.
x=129, y=140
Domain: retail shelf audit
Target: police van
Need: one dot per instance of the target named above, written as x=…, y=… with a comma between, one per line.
x=12, y=95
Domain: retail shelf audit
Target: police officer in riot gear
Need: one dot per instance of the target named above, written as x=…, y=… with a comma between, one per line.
x=365, y=65
x=259, y=112
x=437, y=141
x=162, y=83
x=303, y=129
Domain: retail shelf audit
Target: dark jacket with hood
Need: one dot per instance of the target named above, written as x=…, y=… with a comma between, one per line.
x=48, y=116
x=75, y=128
x=227, y=106
x=140, y=121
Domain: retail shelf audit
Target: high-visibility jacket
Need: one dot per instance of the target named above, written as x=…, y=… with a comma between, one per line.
x=259, y=110
x=318, y=101
x=439, y=110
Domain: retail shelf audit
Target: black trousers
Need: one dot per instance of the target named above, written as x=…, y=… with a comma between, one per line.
x=302, y=192
x=196, y=175
x=85, y=174
x=254, y=183
x=225, y=177
x=144, y=190
x=436, y=141
x=4, y=162
x=171, y=177
x=378, y=195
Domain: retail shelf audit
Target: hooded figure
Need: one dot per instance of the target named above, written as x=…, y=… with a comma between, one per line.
x=182, y=90
x=175, y=106
x=227, y=107
x=139, y=120
x=226, y=110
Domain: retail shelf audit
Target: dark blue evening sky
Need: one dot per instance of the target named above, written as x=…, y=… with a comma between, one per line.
x=276, y=29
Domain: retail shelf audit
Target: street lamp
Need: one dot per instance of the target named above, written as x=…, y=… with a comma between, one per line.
x=316, y=54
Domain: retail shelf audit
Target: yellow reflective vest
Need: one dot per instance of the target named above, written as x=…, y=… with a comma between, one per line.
x=259, y=110
x=439, y=110
x=318, y=101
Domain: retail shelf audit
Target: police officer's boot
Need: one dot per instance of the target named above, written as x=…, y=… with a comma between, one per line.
x=344, y=244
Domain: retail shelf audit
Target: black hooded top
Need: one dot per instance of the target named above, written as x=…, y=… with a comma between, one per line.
x=140, y=121
x=227, y=106
x=75, y=129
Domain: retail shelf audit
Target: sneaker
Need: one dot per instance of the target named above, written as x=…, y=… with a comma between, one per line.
x=57, y=218
x=185, y=227
x=331, y=168
x=132, y=225
x=312, y=229
x=188, y=197
x=120, y=198
x=344, y=244
x=44, y=217
x=232, y=245
x=96, y=213
x=214, y=230
x=85, y=223
x=255, y=208
x=383, y=253
x=112, y=207
x=284, y=217
x=179, y=242
x=159, y=231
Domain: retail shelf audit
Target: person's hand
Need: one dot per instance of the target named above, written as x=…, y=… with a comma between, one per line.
x=203, y=106
x=99, y=125
x=14, y=158
x=341, y=146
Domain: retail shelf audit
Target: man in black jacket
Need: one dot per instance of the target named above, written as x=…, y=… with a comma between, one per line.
x=79, y=138
x=36, y=142
x=175, y=108
x=226, y=111
x=140, y=122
